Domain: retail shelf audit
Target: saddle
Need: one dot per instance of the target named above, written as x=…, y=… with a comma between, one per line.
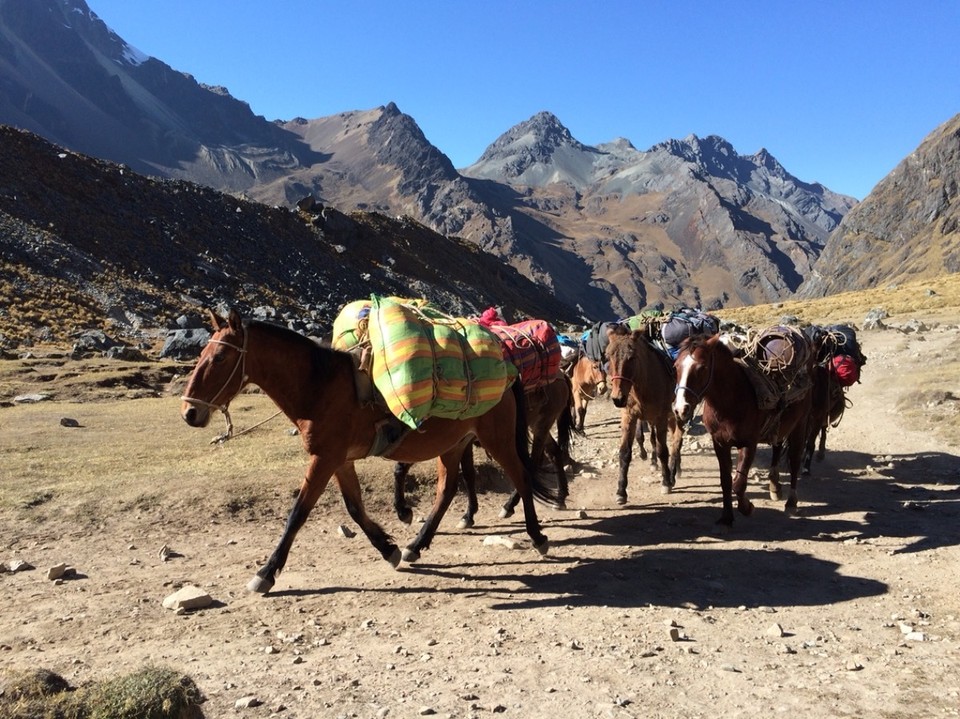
x=778, y=362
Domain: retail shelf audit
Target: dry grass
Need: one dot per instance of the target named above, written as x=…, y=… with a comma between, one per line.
x=936, y=299
x=137, y=455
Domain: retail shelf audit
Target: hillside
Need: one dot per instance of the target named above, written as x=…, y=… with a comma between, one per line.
x=89, y=244
x=907, y=228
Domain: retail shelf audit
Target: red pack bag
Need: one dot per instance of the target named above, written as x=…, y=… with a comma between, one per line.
x=534, y=348
x=845, y=370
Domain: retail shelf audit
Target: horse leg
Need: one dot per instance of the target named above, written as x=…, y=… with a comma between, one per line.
x=643, y=448
x=675, y=433
x=773, y=475
x=808, y=447
x=662, y=453
x=581, y=407
x=400, y=472
x=553, y=449
x=823, y=443
x=795, y=447
x=312, y=486
x=628, y=431
x=520, y=475
x=448, y=464
x=469, y=472
x=744, y=461
x=349, y=484
x=725, y=463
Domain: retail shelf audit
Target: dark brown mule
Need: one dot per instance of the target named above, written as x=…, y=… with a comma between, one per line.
x=707, y=372
x=828, y=402
x=642, y=385
x=546, y=406
x=589, y=381
x=316, y=388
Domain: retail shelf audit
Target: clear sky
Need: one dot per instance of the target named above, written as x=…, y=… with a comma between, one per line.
x=839, y=91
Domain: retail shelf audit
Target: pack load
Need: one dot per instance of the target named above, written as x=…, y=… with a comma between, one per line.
x=686, y=322
x=842, y=340
x=350, y=325
x=425, y=363
x=779, y=359
x=534, y=349
x=595, y=341
x=845, y=370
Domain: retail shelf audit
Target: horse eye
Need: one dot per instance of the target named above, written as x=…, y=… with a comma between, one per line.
x=218, y=356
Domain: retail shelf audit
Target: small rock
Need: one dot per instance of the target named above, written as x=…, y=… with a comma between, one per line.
x=582, y=514
x=674, y=634
x=915, y=637
x=496, y=540
x=775, y=630
x=69, y=422
x=345, y=531
x=15, y=565
x=427, y=711
x=188, y=597
x=30, y=398
x=57, y=571
x=854, y=666
x=247, y=702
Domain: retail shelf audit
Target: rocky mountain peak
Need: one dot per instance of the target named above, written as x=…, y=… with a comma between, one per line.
x=532, y=141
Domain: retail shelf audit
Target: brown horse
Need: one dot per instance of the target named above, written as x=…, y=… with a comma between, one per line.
x=642, y=386
x=828, y=402
x=707, y=372
x=589, y=381
x=547, y=406
x=317, y=389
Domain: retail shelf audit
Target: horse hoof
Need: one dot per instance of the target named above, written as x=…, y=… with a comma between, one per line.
x=560, y=505
x=543, y=547
x=621, y=499
x=666, y=488
x=259, y=585
x=395, y=557
x=405, y=516
x=465, y=523
x=746, y=508
x=775, y=495
x=506, y=513
x=410, y=555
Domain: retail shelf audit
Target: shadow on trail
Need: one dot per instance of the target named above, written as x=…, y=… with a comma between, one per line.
x=673, y=555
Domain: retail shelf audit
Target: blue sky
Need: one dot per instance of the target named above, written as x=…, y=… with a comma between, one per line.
x=839, y=91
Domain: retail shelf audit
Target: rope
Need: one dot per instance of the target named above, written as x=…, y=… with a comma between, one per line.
x=230, y=434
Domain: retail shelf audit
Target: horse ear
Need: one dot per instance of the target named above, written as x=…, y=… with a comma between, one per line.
x=216, y=320
x=236, y=322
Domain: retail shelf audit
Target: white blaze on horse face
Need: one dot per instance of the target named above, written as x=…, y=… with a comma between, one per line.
x=680, y=405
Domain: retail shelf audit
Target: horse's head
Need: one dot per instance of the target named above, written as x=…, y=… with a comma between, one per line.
x=220, y=371
x=694, y=367
x=621, y=362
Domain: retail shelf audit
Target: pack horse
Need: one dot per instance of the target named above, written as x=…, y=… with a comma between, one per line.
x=317, y=389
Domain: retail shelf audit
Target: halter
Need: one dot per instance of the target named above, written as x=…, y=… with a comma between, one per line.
x=241, y=367
x=699, y=395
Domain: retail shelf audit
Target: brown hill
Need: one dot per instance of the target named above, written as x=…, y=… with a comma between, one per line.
x=89, y=244
x=907, y=228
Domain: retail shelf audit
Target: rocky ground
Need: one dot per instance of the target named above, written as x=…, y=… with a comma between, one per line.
x=645, y=610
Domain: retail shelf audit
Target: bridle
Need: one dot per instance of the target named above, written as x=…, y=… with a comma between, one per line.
x=698, y=395
x=239, y=367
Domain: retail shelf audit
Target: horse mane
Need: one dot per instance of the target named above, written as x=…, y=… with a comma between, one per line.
x=323, y=358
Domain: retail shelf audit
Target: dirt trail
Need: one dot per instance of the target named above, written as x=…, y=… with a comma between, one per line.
x=638, y=611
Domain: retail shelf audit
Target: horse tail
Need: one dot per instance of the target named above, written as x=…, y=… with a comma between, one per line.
x=540, y=490
x=568, y=416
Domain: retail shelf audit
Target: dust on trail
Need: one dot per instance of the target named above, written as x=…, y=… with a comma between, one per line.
x=637, y=611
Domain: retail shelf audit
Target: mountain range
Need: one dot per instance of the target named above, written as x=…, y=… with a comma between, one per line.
x=608, y=229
